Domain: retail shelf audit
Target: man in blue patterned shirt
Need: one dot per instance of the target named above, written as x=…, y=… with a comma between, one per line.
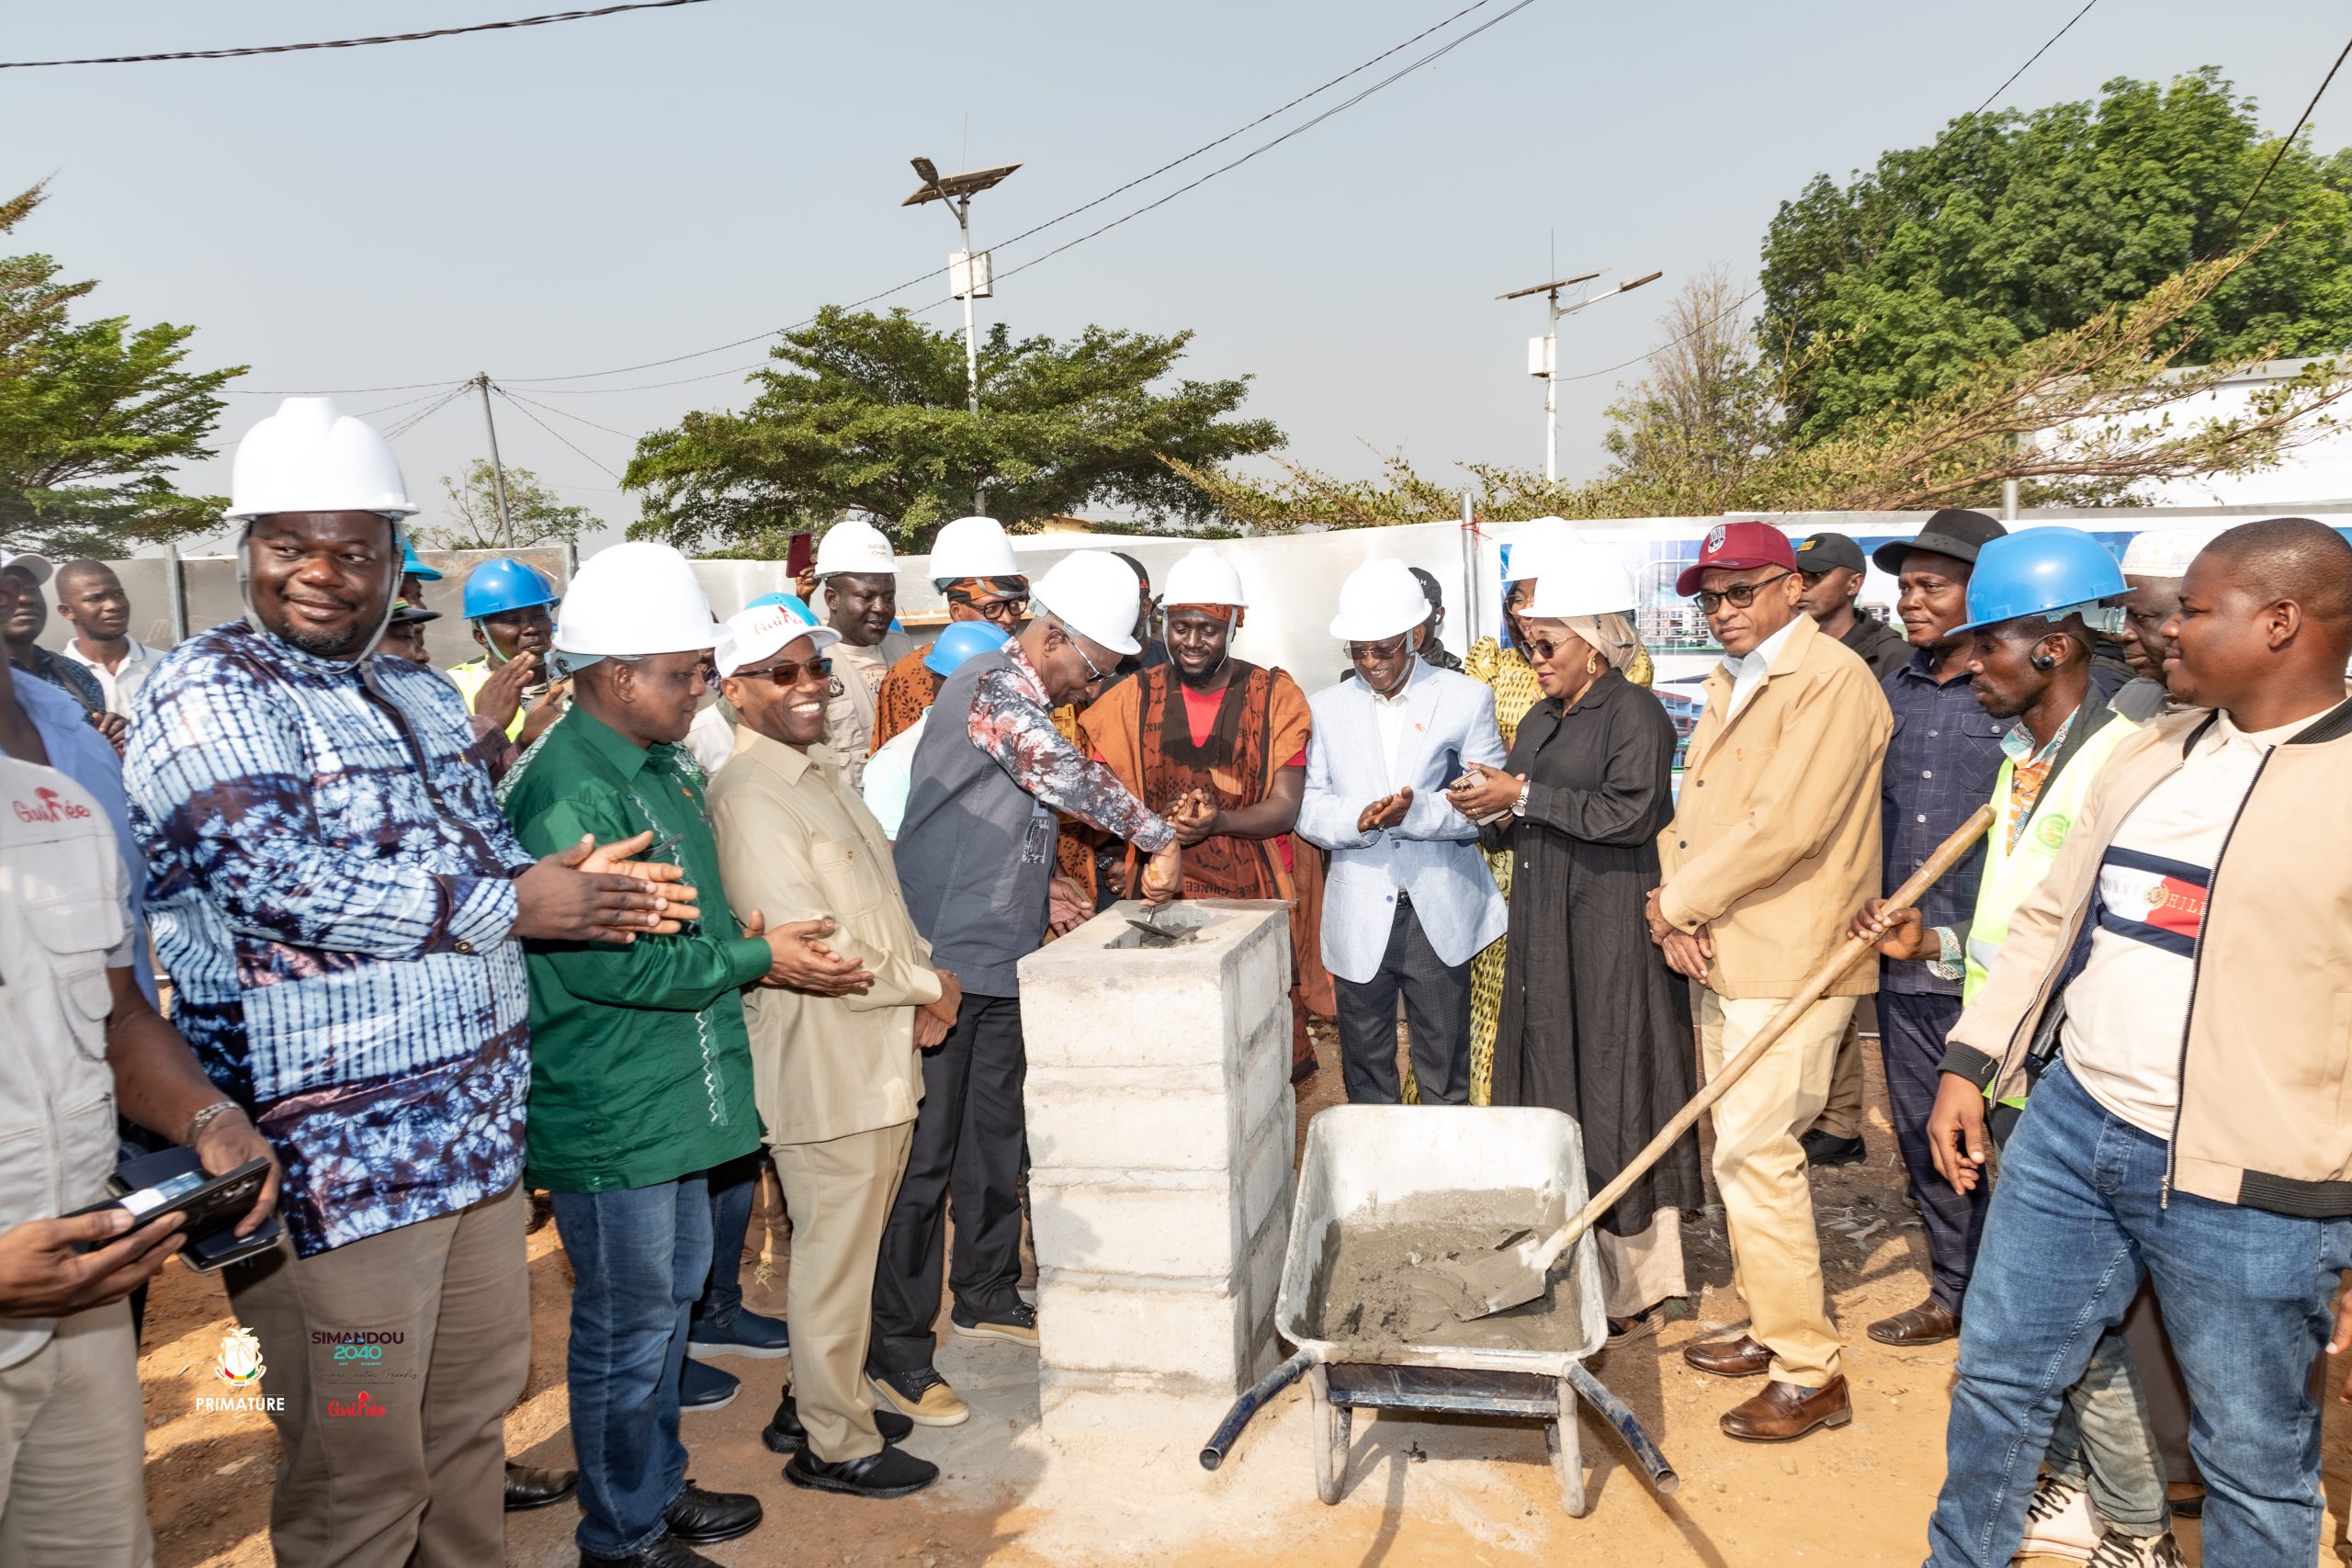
x=337, y=900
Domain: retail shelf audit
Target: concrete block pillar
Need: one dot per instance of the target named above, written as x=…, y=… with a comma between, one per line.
x=1161, y=1124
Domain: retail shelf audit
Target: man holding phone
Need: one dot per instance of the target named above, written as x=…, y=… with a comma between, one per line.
x=78, y=1042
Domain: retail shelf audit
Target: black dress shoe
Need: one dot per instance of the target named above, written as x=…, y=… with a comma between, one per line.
x=667, y=1552
x=528, y=1487
x=705, y=1518
x=786, y=1435
x=1825, y=1149
x=893, y=1473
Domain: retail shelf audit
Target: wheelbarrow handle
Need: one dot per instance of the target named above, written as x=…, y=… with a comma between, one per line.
x=1629, y=1427
x=1228, y=1431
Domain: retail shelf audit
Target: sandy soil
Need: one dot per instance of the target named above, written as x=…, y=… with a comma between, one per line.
x=1442, y=1492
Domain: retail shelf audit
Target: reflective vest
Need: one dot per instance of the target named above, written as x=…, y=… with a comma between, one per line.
x=470, y=678
x=2012, y=870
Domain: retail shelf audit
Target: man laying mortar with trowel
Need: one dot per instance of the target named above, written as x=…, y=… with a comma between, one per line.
x=1774, y=842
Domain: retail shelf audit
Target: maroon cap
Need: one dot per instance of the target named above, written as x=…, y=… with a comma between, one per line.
x=1736, y=546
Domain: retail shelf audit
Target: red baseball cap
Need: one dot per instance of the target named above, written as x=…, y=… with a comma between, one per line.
x=1736, y=546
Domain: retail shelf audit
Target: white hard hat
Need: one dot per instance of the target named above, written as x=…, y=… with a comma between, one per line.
x=33, y=566
x=636, y=598
x=1203, y=577
x=972, y=546
x=2166, y=552
x=311, y=457
x=1095, y=595
x=764, y=631
x=1380, y=599
x=1579, y=579
x=1534, y=541
x=853, y=545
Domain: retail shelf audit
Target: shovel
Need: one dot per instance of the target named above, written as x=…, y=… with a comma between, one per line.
x=1515, y=1275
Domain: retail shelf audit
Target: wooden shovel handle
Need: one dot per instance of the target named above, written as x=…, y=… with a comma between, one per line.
x=1848, y=953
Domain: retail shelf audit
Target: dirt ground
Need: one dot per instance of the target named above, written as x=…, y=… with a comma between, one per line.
x=1442, y=1492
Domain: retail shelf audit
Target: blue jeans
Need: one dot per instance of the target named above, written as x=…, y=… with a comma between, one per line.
x=639, y=1259
x=2103, y=1444
x=2077, y=1214
x=732, y=1188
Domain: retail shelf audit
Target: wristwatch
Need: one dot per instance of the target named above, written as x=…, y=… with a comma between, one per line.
x=1519, y=807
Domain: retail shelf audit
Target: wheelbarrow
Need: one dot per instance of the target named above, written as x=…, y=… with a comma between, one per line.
x=1369, y=1165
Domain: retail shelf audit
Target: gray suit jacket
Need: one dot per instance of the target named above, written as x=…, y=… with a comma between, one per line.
x=1433, y=854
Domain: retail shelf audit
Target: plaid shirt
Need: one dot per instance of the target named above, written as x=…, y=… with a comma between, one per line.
x=1940, y=765
x=331, y=886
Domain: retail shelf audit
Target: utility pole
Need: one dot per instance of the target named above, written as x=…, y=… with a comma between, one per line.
x=497, y=470
x=1543, y=353
x=969, y=273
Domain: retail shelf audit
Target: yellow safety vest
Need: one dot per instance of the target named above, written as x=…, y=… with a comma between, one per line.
x=472, y=677
x=2012, y=871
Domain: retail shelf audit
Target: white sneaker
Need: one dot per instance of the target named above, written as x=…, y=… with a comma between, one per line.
x=2059, y=1522
x=2116, y=1550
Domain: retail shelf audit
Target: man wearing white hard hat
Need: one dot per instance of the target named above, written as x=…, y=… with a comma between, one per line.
x=1219, y=746
x=837, y=1072
x=641, y=1068
x=2153, y=564
x=1409, y=902
x=338, y=900
x=975, y=857
x=859, y=578
x=973, y=565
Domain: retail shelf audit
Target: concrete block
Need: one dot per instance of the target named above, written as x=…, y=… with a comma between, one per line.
x=1175, y=1332
x=1091, y=1120
x=1265, y=1183
x=1164, y=1233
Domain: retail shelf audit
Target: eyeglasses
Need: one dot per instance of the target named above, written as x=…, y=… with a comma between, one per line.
x=1544, y=650
x=1740, y=595
x=1004, y=611
x=789, y=671
x=1365, y=652
x=1093, y=677
x=707, y=671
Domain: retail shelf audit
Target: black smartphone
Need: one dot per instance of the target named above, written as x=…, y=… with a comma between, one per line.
x=173, y=1183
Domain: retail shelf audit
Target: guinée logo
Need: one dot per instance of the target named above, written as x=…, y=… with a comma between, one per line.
x=53, y=807
x=362, y=1403
x=239, y=1365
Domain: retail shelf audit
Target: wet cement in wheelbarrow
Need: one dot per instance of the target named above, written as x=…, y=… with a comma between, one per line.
x=1399, y=1278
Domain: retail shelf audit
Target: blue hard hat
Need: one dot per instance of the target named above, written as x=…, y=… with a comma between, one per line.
x=792, y=602
x=496, y=587
x=960, y=641
x=411, y=566
x=2039, y=571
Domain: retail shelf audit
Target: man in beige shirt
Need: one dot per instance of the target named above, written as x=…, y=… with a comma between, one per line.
x=835, y=1068
x=858, y=574
x=1775, y=832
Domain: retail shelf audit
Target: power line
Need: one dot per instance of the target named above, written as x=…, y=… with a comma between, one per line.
x=350, y=42
x=1354, y=71
x=2284, y=143
x=325, y=392
x=2037, y=55
x=412, y=421
x=567, y=414
x=551, y=429
x=405, y=402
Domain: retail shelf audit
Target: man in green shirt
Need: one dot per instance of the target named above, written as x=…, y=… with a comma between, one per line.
x=640, y=1067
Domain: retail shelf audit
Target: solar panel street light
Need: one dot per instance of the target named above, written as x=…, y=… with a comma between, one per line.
x=969, y=275
x=1543, y=353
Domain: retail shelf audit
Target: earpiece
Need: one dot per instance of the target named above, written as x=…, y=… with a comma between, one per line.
x=2043, y=661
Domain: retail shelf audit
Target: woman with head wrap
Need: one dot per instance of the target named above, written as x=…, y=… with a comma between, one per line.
x=1592, y=1022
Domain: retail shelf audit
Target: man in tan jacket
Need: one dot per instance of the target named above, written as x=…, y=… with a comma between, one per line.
x=835, y=1068
x=1776, y=834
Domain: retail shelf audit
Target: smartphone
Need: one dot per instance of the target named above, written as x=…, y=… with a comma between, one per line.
x=800, y=555
x=173, y=1183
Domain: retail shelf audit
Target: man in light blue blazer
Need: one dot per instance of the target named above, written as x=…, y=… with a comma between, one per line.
x=1409, y=901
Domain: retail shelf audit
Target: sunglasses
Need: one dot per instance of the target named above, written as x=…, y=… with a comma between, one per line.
x=1740, y=595
x=1361, y=652
x=1543, y=649
x=788, y=672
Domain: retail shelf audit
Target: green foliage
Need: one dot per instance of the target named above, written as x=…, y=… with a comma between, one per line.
x=2014, y=227
x=472, y=521
x=867, y=413
x=92, y=415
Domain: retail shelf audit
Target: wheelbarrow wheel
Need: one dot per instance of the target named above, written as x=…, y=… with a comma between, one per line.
x=1563, y=1440
x=1332, y=1425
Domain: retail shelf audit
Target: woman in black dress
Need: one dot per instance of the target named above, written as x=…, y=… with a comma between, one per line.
x=1593, y=1023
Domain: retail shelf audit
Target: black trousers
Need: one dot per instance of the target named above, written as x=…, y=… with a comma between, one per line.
x=1437, y=1019
x=968, y=1138
x=1911, y=1030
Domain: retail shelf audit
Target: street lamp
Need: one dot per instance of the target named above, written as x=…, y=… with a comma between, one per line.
x=968, y=274
x=1543, y=353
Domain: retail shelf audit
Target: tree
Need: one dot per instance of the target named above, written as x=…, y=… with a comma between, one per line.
x=93, y=415
x=1706, y=410
x=867, y=413
x=2013, y=227
x=472, y=524
x=2078, y=417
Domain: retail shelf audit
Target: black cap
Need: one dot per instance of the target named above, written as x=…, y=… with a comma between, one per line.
x=1429, y=589
x=407, y=614
x=1955, y=531
x=1821, y=552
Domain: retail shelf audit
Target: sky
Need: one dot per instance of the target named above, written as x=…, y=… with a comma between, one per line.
x=555, y=201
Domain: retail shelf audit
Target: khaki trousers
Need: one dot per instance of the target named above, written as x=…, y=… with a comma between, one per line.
x=839, y=1194
x=394, y=1451
x=1841, y=1115
x=73, y=1448
x=1760, y=1170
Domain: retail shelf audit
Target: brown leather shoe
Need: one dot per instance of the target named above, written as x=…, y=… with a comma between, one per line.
x=1926, y=1324
x=1784, y=1412
x=1741, y=1357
